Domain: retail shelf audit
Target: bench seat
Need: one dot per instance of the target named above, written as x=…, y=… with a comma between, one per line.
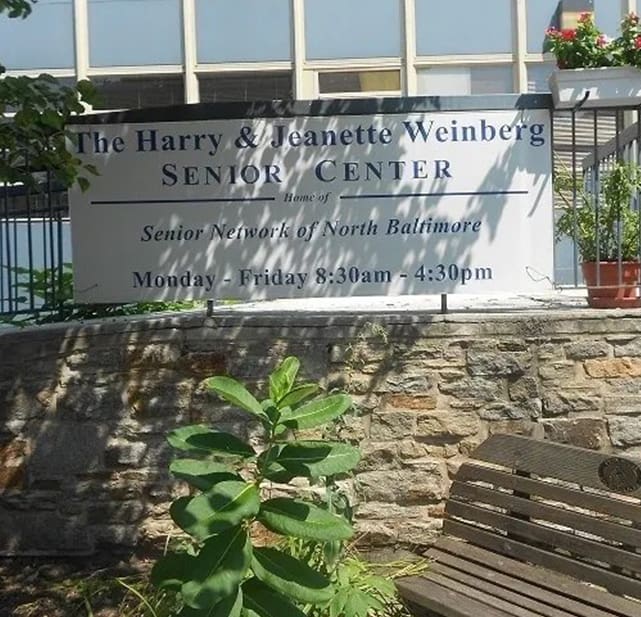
x=535, y=529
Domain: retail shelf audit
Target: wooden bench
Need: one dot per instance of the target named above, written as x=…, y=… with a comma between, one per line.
x=536, y=529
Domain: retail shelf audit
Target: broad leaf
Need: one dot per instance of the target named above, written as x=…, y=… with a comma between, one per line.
x=204, y=440
x=298, y=394
x=317, y=458
x=224, y=506
x=231, y=606
x=317, y=412
x=218, y=569
x=235, y=393
x=277, y=473
x=202, y=474
x=291, y=517
x=291, y=577
x=283, y=378
x=359, y=603
x=261, y=601
x=172, y=570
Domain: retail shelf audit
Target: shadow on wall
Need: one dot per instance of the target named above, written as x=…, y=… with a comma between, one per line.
x=84, y=409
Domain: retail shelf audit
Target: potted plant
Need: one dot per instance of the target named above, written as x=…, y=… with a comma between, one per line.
x=607, y=234
x=594, y=70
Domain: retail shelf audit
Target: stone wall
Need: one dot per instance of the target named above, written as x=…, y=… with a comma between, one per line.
x=84, y=409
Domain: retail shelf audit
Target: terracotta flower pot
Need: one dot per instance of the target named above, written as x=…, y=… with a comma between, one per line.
x=612, y=291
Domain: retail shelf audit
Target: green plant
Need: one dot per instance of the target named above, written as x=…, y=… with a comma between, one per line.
x=226, y=574
x=611, y=230
x=582, y=47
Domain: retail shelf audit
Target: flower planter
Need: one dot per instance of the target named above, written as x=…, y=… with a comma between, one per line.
x=606, y=87
x=612, y=292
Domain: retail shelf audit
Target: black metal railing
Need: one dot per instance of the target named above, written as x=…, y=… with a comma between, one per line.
x=34, y=247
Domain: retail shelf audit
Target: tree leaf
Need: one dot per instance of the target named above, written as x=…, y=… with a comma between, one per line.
x=172, y=570
x=224, y=506
x=261, y=601
x=202, y=475
x=317, y=458
x=235, y=393
x=283, y=378
x=303, y=520
x=218, y=569
x=298, y=394
x=231, y=606
x=317, y=412
x=202, y=439
x=290, y=576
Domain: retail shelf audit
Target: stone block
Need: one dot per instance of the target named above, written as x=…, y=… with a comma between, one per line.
x=622, y=404
x=408, y=384
x=524, y=389
x=507, y=410
x=446, y=426
x=42, y=532
x=581, y=432
x=403, y=486
x=124, y=453
x=392, y=425
x=560, y=402
x=585, y=350
x=473, y=388
x=408, y=402
x=154, y=355
x=497, y=364
x=557, y=372
x=628, y=348
x=625, y=431
x=613, y=368
x=63, y=448
x=378, y=455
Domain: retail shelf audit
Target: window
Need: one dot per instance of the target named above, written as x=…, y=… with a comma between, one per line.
x=352, y=28
x=538, y=75
x=140, y=91
x=462, y=80
x=127, y=32
x=463, y=26
x=243, y=30
x=359, y=81
x=541, y=15
x=43, y=40
x=263, y=86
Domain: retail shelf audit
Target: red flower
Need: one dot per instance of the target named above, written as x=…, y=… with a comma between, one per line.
x=568, y=34
x=637, y=42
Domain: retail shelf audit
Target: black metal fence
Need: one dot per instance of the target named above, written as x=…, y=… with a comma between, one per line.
x=35, y=245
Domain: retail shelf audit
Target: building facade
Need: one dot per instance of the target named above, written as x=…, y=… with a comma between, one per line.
x=143, y=53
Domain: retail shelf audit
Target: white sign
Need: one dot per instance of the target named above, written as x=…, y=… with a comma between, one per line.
x=386, y=204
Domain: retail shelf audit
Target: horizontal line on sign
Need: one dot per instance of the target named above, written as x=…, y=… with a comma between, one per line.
x=441, y=194
x=126, y=202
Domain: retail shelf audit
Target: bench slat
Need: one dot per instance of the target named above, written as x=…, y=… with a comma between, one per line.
x=545, y=458
x=517, y=597
x=485, y=595
x=510, y=580
x=552, y=514
x=470, y=472
x=431, y=596
x=546, y=535
x=616, y=583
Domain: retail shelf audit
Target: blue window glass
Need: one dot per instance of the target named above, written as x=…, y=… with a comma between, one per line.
x=352, y=29
x=463, y=27
x=541, y=15
x=608, y=16
x=538, y=75
x=130, y=32
x=42, y=41
x=243, y=30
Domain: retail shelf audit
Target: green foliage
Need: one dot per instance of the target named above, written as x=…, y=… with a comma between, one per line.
x=52, y=291
x=610, y=230
x=224, y=569
x=35, y=138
